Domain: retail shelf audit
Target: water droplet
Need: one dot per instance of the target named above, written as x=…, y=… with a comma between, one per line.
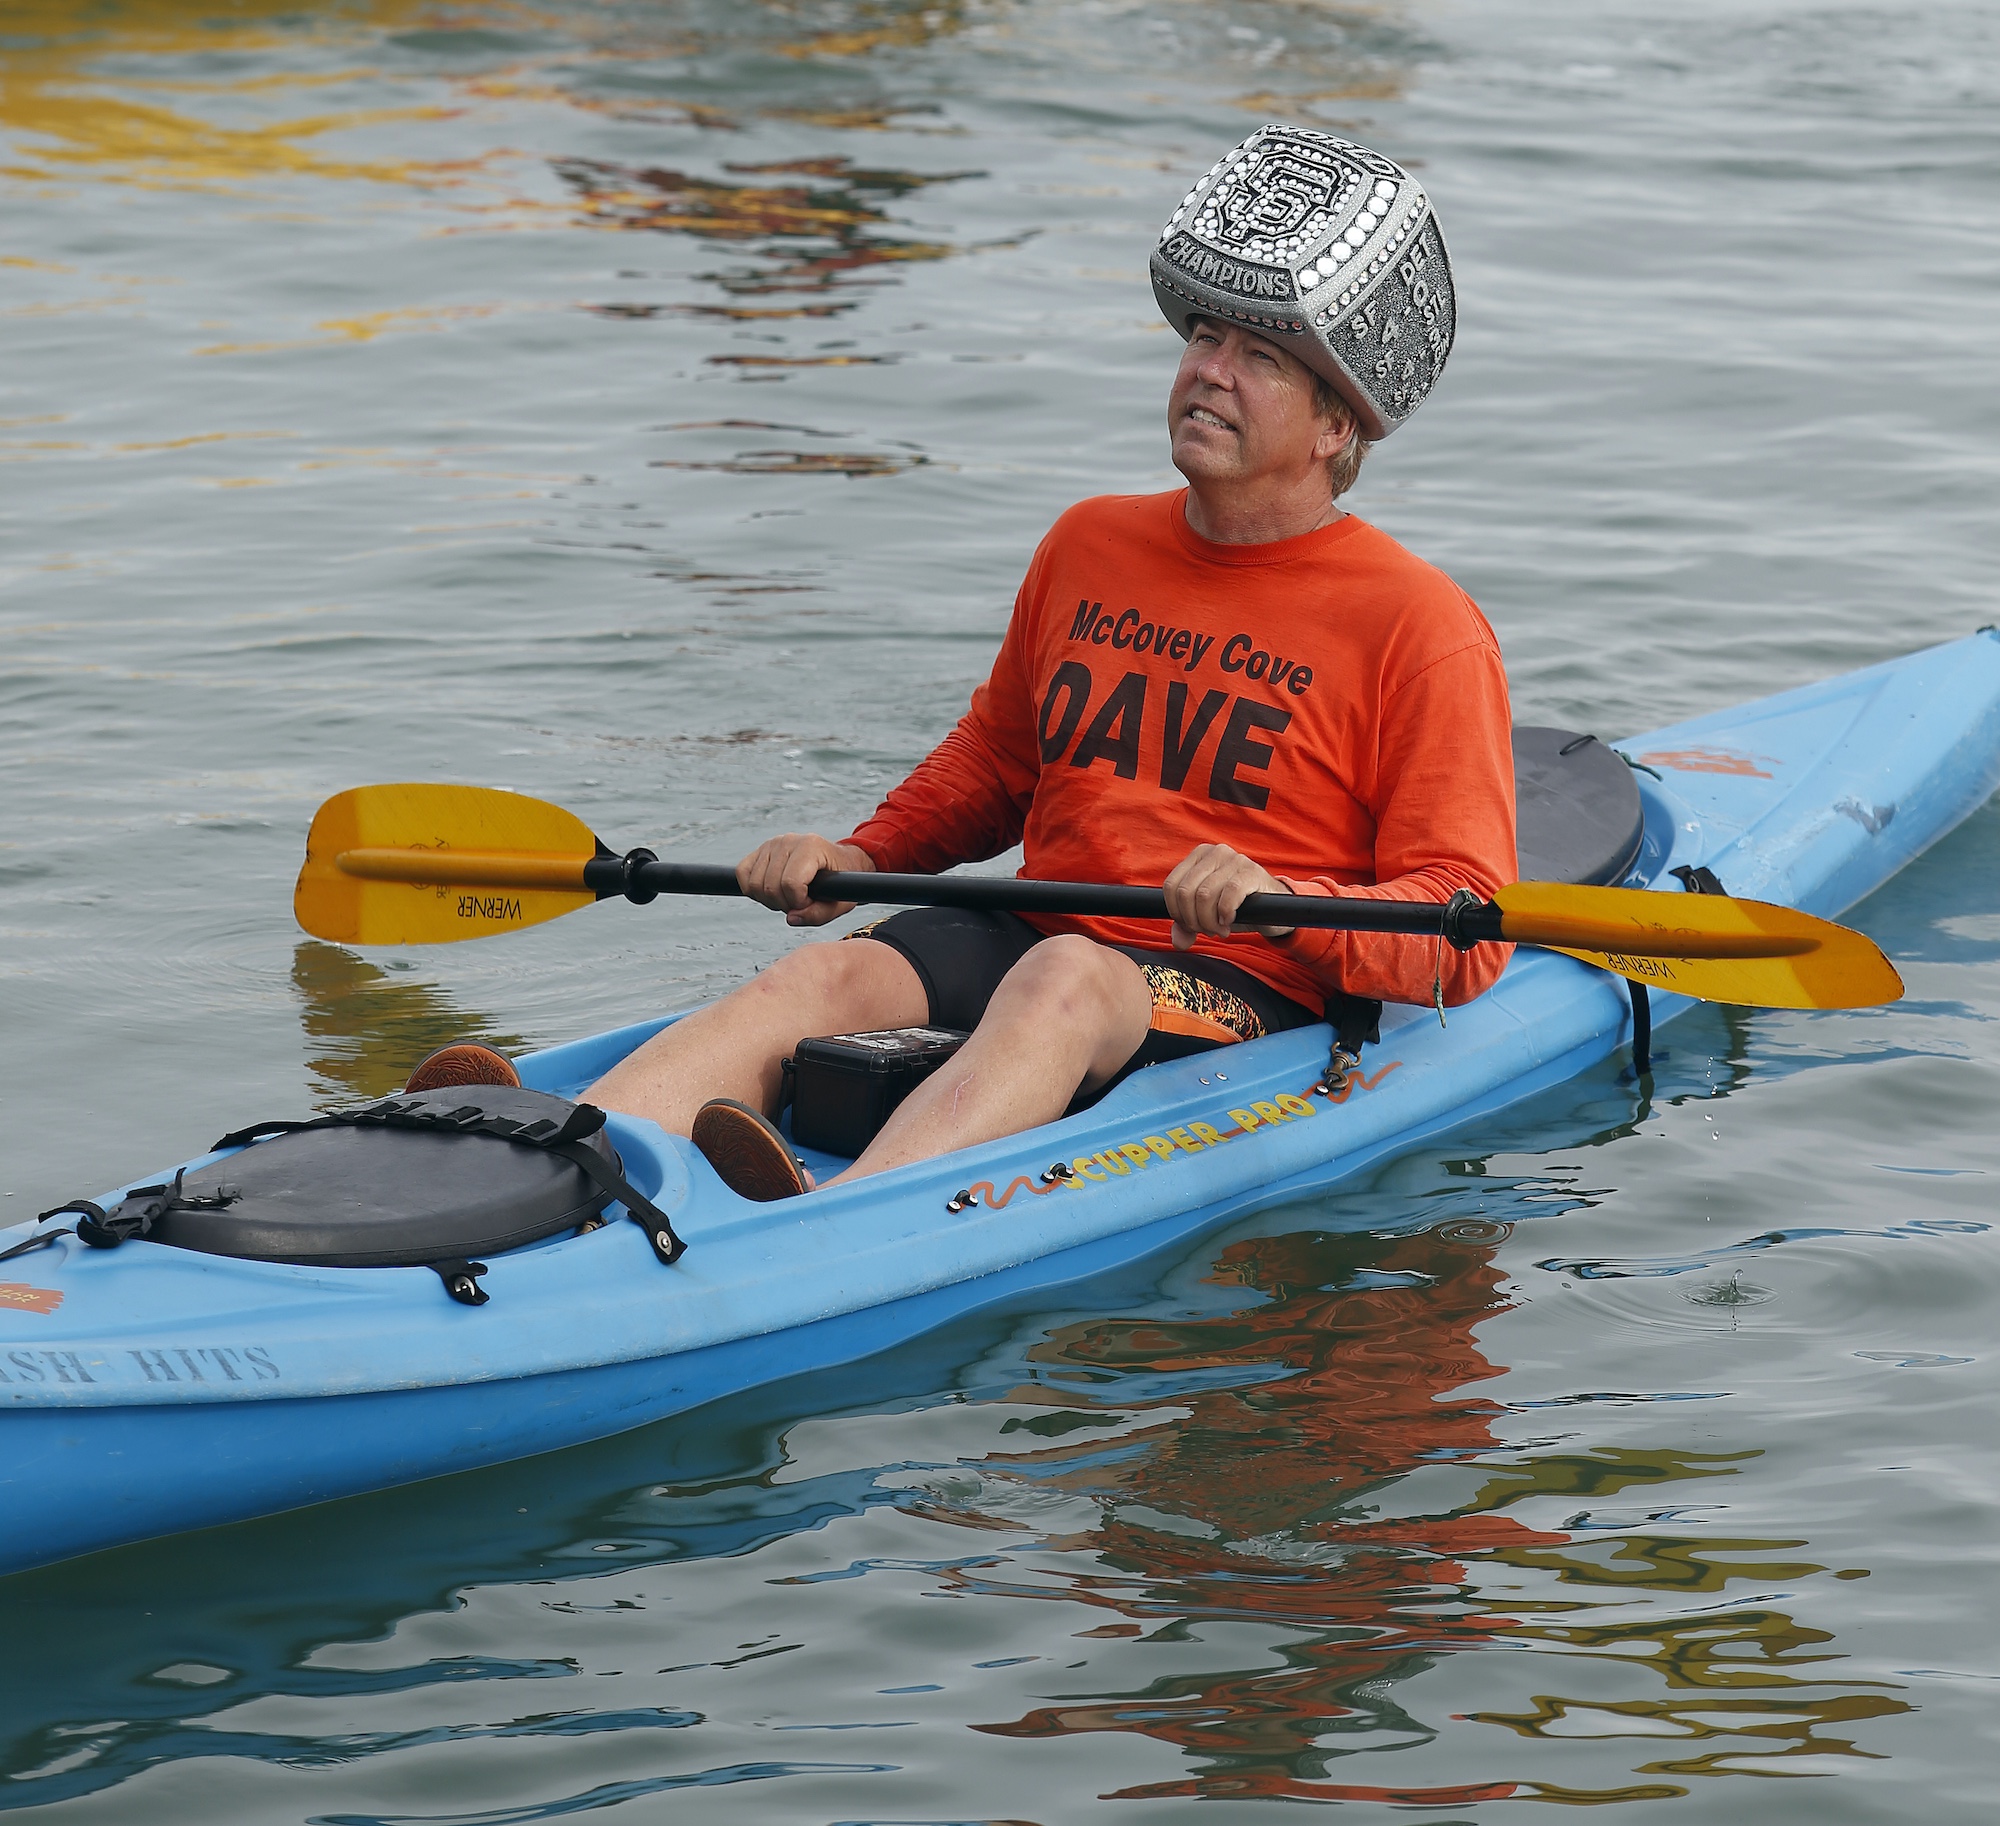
x=1735, y=1291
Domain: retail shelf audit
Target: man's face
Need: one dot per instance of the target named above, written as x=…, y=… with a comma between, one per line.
x=1242, y=410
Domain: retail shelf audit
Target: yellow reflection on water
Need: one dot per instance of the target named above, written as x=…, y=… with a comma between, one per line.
x=333, y=331
x=123, y=92
x=1275, y=105
x=67, y=113
x=877, y=27
x=77, y=100
x=367, y=1027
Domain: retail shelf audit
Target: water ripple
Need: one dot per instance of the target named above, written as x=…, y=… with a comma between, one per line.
x=378, y=408
x=609, y=1794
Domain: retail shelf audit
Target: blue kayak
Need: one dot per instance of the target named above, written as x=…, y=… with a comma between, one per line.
x=150, y=1389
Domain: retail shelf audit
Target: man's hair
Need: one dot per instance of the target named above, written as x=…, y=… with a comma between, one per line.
x=1341, y=470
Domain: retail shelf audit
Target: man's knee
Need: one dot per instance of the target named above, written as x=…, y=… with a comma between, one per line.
x=1075, y=977
x=853, y=979
x=807, y=967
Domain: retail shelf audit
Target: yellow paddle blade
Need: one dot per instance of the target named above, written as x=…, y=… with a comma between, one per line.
x=429, y=864
x=1706, y=945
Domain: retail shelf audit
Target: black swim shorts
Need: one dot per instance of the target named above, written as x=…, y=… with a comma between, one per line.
x=1198, y=1002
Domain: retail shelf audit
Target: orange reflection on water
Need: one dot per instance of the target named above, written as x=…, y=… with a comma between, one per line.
x=818, y=231
x=1345, y=1489
x=1374, y=1339
x=1346, y=1378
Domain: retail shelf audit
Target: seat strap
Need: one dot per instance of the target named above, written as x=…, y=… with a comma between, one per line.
x=1356, y=1022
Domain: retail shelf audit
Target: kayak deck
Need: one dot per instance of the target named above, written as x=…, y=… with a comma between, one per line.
x=293, y=1384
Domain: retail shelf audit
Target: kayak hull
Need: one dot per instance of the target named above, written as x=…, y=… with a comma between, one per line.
x=147, y=1391
x=90, y=1478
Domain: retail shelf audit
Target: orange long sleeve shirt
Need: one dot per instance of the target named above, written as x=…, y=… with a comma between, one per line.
x=1329, y=705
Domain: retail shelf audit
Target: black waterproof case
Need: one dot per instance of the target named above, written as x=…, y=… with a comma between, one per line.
x=843, y=1086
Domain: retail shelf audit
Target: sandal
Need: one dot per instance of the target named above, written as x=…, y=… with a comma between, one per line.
x=468, y=1062
x=748, y=1153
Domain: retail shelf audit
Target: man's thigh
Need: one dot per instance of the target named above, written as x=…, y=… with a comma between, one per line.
x=1197, y=1002
x=960, y=956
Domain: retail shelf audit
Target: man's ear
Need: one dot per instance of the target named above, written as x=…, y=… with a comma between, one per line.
x=1335, y=435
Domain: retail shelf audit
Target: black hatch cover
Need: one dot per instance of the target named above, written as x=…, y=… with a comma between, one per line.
x=1576, y=808
x=379, y=1197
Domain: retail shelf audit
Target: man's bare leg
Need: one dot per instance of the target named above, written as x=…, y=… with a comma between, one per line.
x=1069, y=1013
x=732, y=1048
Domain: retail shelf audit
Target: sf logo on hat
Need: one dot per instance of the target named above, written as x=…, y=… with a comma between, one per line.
x=1277, y=196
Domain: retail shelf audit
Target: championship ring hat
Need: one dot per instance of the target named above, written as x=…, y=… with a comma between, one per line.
x=1327, y=249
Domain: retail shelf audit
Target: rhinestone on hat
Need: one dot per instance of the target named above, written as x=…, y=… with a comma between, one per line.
x=1284, y=215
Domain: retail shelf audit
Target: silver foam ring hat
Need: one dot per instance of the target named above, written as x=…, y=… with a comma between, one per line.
x=1327, y=249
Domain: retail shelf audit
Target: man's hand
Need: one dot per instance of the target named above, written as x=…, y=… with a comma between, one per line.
x=779, y=874
x=1207, y=887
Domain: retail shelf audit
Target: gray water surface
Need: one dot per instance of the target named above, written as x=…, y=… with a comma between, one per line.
x=652, y=407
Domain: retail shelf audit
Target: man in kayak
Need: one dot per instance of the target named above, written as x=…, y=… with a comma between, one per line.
x=1234, y=688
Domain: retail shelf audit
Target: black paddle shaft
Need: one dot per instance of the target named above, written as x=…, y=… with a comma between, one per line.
x=1465, y=921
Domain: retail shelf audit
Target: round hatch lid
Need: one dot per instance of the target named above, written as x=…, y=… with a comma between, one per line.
x=373, y=1197
x=1576, y=808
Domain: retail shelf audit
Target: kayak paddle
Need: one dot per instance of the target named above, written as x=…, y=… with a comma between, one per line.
x=422, y=864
